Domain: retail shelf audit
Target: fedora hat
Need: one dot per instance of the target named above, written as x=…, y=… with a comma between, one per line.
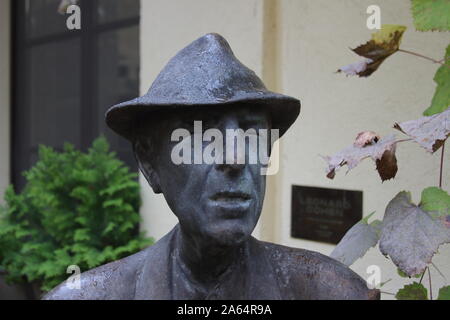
x=204, y=74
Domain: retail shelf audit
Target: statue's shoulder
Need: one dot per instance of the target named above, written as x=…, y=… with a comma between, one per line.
x=114, y=280
x=311, y=275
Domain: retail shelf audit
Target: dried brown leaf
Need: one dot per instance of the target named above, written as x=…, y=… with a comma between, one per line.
x=384, y=43
x=387, y=165
x=353, y=155
x=379, y=50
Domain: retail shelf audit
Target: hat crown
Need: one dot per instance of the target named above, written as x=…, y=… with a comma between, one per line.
x=204, y=71
x=204, y=74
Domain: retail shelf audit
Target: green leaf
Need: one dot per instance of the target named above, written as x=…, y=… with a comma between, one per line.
x=82, y=235
x=435, y=200
x=366, y=218
x=389, y=36
x=377, y=226
x=404, y=275
x=444, y=293
x=441, y=98
x=431, y=15
x=113, y=203
x=414, y=291
x=401, y=273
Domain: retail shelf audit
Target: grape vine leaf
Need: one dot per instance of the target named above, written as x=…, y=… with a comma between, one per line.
x=413, y=291
x=384, y=43
x=355, y=243
x=404, y=275
x=444, y=293
x=441, y=98
x=411, y=235
x=430, y=132
x=382, y=152
x=431, y=15
x=436, y=200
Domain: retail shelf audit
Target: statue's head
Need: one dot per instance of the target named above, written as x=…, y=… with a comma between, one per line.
x=215, y=200
x=201, y=136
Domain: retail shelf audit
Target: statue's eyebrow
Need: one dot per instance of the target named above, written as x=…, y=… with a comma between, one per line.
x=212, y=118
x=252, y=120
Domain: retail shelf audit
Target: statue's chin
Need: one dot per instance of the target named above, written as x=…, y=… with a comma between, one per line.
x=229, y=234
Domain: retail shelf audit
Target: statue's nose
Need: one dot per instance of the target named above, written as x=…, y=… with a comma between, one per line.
x=233, y=159
x=234, y=154
x=230, y=168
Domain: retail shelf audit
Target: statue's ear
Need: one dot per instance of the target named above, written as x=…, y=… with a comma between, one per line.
x=142, y=158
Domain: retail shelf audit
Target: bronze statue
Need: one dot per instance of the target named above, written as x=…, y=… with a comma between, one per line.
x=210, y=253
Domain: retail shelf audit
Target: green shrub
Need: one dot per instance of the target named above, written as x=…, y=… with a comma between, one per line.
x=76, y=209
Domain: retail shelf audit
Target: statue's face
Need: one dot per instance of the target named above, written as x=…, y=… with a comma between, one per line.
x=214, y=202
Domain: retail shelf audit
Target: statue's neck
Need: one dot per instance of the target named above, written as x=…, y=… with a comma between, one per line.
x=205, y=260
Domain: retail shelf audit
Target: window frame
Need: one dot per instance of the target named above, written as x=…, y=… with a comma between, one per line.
x=21, y=47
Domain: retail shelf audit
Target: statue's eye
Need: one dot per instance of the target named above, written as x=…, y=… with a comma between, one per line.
x=188, y=125
x=207, y=126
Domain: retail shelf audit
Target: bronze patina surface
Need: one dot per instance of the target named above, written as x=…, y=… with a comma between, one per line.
x=210, y=253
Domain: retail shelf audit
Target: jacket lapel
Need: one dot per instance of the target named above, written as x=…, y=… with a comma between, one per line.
x=153, y=281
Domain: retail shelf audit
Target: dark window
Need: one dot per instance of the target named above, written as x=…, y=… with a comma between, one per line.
x=64, y=80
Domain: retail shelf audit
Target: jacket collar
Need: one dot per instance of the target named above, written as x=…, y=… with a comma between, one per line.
x=254, y=279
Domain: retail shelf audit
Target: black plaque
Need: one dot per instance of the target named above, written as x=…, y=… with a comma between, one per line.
x=323, y=214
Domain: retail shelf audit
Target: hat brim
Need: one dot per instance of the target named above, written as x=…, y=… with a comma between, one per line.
x=283, y=110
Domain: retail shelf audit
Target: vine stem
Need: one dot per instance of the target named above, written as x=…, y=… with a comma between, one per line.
x=423, y=273
x=429, y=281
x=440, y=186
x=442, y=165
x=403, y=140
x=424, y=57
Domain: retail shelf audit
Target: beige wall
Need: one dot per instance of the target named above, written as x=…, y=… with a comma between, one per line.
x=5, y=31
x=296, y=46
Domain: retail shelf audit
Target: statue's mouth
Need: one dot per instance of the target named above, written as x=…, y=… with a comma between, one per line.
x=230, y=196
x=231, y=204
